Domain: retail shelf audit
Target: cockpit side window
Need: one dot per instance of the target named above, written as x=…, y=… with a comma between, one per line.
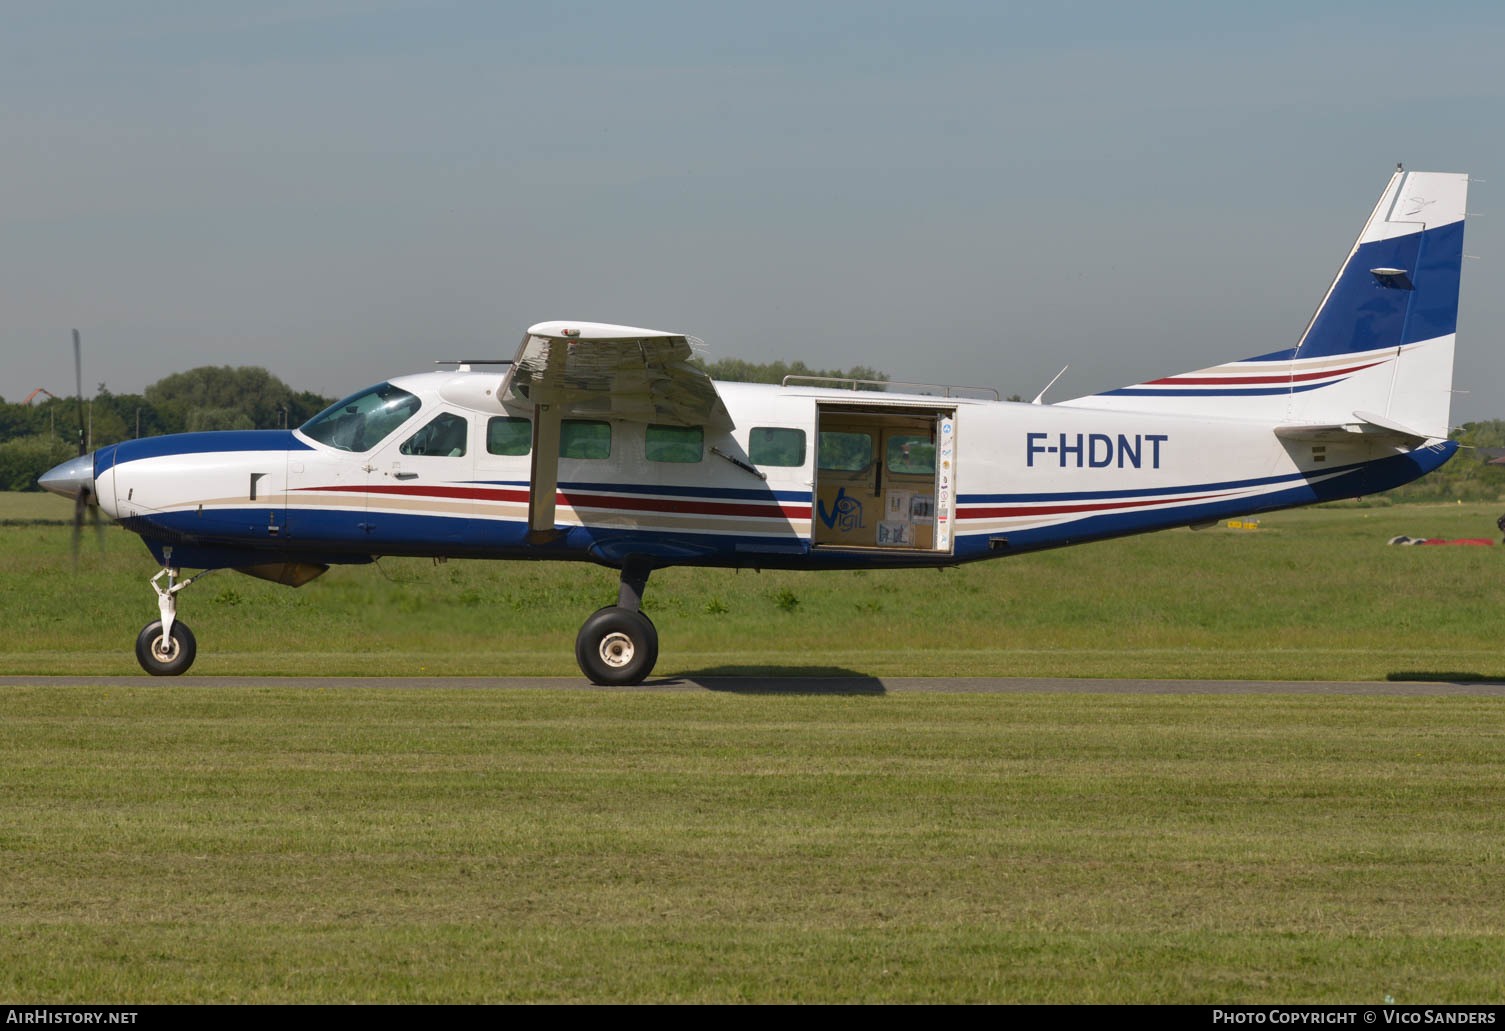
x=444, y=436
x=363, y=420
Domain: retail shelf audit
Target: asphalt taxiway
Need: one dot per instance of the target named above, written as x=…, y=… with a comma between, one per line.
x=851, y=685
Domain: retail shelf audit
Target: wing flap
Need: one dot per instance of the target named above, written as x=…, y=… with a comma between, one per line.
x=595, y=370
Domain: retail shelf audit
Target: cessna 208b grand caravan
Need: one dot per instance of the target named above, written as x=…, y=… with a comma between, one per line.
x=605, y=444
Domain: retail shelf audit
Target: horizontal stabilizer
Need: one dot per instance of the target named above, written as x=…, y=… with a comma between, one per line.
x=1365, y=425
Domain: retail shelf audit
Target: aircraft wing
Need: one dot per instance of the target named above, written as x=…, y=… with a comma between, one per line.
x=594, y=370
x=1365, y=426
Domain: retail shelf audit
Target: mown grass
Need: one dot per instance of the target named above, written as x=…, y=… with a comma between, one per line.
x=273, y=844
x=171, y=844
x=18, y=507
x=1312, y=594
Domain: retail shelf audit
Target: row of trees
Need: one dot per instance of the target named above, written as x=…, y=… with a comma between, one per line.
x=736, y=370
x=34, y=438
x=1469, y=476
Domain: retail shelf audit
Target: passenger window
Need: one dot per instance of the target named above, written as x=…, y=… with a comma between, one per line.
x=673, y=443
x=845, y=452
x=776, y=445
x=444, y=437
x=584, y=438
x=911, y=455
x=509, y=435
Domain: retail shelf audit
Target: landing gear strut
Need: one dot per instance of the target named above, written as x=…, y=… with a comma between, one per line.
x=618, y=644
x=165, y=647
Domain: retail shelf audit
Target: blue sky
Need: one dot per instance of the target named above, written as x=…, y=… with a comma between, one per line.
x=961, y=192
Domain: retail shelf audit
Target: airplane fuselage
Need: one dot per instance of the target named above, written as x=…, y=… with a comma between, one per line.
x=1020, y=477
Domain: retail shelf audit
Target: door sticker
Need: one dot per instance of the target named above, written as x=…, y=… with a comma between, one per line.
x=945, y=470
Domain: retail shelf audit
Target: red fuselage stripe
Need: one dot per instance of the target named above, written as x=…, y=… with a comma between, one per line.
x=1224, y=380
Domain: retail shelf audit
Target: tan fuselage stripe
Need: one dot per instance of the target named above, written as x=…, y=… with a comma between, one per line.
x=503, y=511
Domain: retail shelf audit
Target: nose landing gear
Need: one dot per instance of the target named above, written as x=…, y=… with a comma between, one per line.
x=165, y=647
x=618, y=644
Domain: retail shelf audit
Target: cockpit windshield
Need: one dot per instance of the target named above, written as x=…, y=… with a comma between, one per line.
x=363, y=420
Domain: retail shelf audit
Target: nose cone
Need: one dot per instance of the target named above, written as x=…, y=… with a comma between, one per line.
x=74, y=475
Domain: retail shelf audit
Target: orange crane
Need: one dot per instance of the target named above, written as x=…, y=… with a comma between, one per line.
x=39, y=390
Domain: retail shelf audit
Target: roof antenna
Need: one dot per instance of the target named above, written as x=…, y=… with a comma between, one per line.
x=1040, y=397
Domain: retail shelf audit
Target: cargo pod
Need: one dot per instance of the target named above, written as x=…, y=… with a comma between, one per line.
x=884, y=477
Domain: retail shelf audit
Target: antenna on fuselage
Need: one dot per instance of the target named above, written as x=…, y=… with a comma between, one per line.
x=1040, y=397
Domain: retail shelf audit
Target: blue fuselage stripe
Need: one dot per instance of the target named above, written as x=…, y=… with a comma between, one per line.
x=1150, y=492
x=196, y=444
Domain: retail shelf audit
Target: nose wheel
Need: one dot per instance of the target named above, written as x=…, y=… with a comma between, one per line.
x=165, y=656
x=618, y=644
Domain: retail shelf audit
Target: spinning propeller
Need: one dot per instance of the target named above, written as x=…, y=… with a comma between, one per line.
x=85, y=498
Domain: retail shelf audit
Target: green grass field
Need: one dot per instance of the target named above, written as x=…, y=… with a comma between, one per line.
x=268, y=845
x=1312, y=594
x=164, y=843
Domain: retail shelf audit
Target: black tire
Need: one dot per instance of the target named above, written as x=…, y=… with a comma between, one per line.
x=617, y=646
x=148, y=653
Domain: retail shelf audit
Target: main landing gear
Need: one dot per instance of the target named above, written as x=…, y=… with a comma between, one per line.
x=618, y=644
x=165, y=647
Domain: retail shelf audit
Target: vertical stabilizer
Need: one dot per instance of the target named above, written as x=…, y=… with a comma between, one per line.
x=1380, y=342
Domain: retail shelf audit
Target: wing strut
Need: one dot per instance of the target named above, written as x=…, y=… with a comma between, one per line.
x=545, y=475
x=591, y=370
x=548, y=413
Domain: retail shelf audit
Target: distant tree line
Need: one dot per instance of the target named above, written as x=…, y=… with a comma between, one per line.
x=34, y=438
x=735, y=370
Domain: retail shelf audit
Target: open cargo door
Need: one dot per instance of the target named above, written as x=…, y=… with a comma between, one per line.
x=883, y=477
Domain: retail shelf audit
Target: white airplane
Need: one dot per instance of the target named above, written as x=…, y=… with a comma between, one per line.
x=605, y=444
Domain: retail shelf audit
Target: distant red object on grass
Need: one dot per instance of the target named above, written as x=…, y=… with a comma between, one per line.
x=1484, y=542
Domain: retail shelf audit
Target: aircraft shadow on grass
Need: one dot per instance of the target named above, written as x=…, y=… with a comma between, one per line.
x=781, y=680
x=1431, y=676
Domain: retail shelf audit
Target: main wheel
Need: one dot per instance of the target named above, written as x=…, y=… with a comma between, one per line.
x=617, y=646
x=169, y=661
